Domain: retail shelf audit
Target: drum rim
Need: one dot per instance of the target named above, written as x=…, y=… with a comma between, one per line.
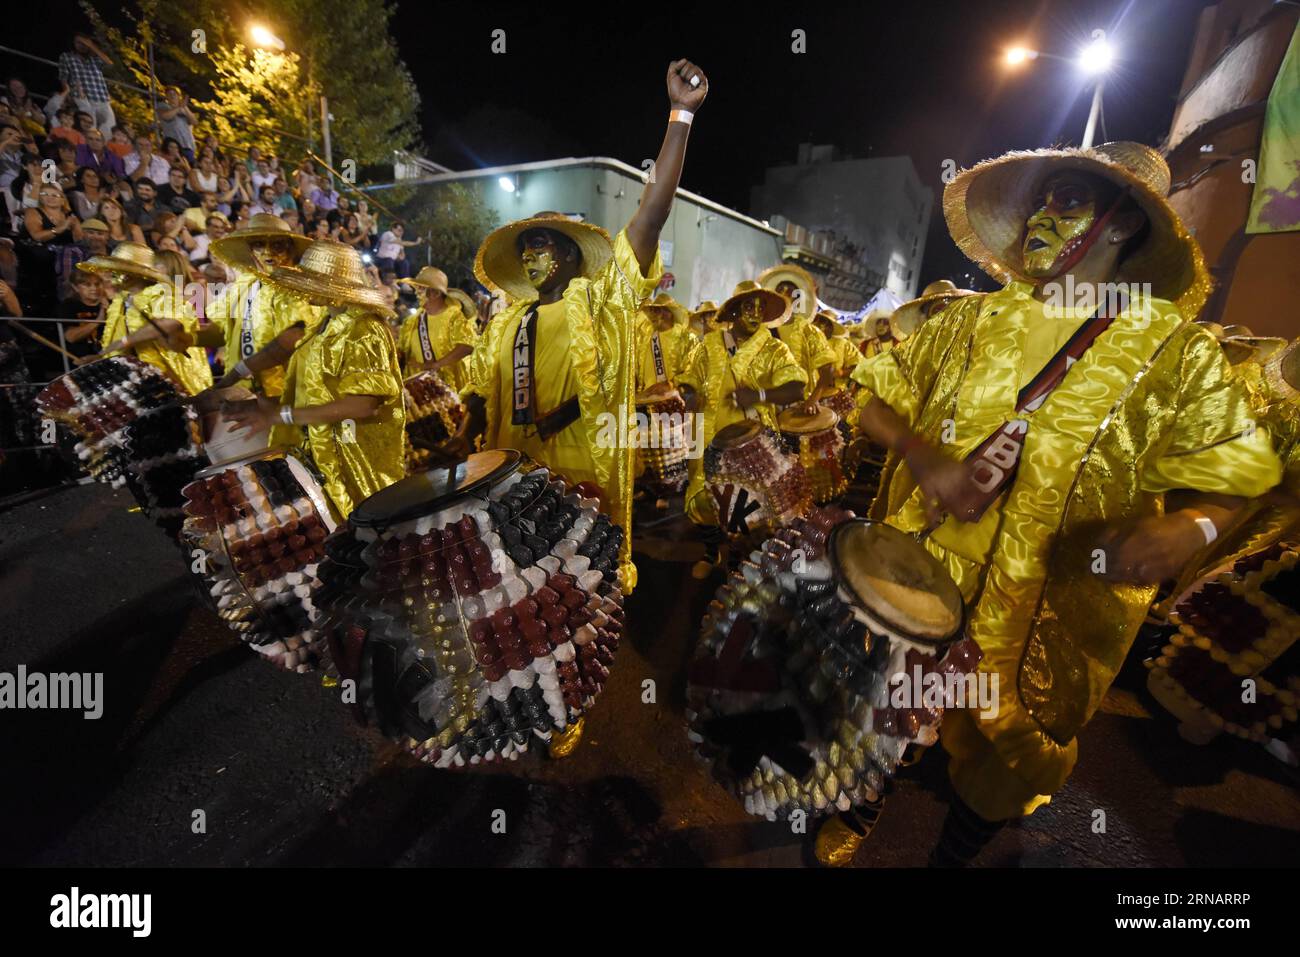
x=511, y=462
x=753, y=429
x=843, y=582
x=271, y=452
x=794, y=410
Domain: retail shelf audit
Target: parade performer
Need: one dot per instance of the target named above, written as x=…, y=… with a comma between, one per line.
x=342, y=399
x=846, y=354
x=664, y=341
x=249, y=312
x=150, y=316
x=741, y=370
x=704, y=318
x=442, y=334
x=806, y=342
x=555, y=371
x=1048, y=428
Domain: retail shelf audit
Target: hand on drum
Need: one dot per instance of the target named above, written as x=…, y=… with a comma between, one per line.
x=944, y=481
x=744, y=397
x=1150, y=550
x=205, y=401
x=252, y=415
x=811, y=407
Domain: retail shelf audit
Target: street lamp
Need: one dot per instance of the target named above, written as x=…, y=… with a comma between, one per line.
x=263, y=37
x=1095, y=59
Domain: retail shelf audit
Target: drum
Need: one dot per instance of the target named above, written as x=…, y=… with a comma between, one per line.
x=844, y=404
x=756, y=484
x=223, y=441
x=834, y=646
x=1234, y=662
x=134, y=430
x=662, y=448
x=433, y=414
x=820, y=441
x=259, y=524
x=475, y=608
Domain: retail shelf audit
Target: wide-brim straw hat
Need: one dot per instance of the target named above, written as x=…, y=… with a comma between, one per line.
x=131, y=259
x=498, y=266
x=987, y=206
x=776, y=308
x=788, y=272
x=681, y=315
x=330, y=273
x=838, y=328
x=911, y=315
x=430, y=277
x=234, y=250
x=467, y=303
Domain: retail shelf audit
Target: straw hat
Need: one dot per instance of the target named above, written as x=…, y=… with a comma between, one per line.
x=776, y=307
x=987, y=205
x=132, y=259
x=789, y=272
x=681, y=315
x=467, y=303
x=910, y=316
x=838, y=328
x=233, y=250
x=430, y=277
x=95, y=224
x=330, y=272
x=498, y=266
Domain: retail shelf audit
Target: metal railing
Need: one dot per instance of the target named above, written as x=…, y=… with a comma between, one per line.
x=61, y=346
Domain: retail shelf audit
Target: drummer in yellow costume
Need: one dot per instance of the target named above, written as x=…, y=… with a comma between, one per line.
x=440, y=337
x=704, y=318
x=249, y=313
x=741, y=370
x=150, y=316
x=342, y=398
x=555, y=371
x=1060, y=566
x=664, y=319
x=805, y=340
x=845, y=353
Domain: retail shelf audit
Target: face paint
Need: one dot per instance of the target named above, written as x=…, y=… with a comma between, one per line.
x=751, y=315
x=1063, y=214
x=882, y=328
x=274, y=252
x=540, y=259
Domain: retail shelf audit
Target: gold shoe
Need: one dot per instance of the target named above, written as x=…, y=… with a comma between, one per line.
x=564, y=743
x=837, y=843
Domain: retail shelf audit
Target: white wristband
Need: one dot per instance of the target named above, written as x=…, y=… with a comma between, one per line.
x=286, y=414
x=762, y=395
x=681, y=116
x=1207, y=527
x=244, y=371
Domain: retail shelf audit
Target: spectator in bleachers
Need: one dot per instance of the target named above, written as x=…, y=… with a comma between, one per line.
x=178, y=120
x=144, y=163
x=82, y=314
x=88, y=194
x=119, y=144
x=65, y=127
x=172, y=153
x=95, y=154
x=51, y=221
x=305, y=179
x=204, y=177
x=392, y=251
x=266, y=201
x=262, y=175
x=80, y=69
x=84, y=122
x=325, y=196
x=120, y=228
x=293, y=218
x=94, y=237
x=321, y=230
x=366, y=220
x=283, y=195
x=175, y=194
x=216, y=227
x=24, y=108
x=353, y=235
x=11, y=155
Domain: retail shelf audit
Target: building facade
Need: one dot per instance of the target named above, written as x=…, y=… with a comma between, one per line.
x=861, y=223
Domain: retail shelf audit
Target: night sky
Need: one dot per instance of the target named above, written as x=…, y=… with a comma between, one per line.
x=923, y=78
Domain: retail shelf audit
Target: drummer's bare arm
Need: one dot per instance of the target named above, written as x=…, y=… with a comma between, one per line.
x=657, y=199
x=942, y=478
x=458, y=447
x=788, y=394
x=825, y=386
x=451, y=358
x=169, y=332
x=1158, y=548
x=358, y=408
x=690, y=397
x=274, y=353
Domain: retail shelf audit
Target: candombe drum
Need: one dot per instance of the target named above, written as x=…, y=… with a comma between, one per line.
x=261, y=522
x=433, y=414
x=844, y=404
x=661, y=443
x=756, y=484
x=793, y=697
x=819, y=441
x=475, y=607
x=134, y=430
x=1237, y=633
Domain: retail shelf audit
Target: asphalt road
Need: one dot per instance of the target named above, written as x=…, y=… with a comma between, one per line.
x=193, y=722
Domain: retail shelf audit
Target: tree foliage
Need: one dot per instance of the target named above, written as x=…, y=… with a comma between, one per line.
x=341, y=48
x=451, y=218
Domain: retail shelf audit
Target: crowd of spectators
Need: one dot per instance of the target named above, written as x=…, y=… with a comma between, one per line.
x=75, y=181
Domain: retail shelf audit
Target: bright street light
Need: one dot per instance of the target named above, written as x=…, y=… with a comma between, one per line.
x=1018, y=55
x=265, y=38
x=1097, y=56
x=506, y=183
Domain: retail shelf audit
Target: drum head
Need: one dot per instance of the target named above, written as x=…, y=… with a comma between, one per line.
x=892, y=577
x=797, y=422
x=259, y=456
x=738, y=433
x=653, y=398
x=431, y=491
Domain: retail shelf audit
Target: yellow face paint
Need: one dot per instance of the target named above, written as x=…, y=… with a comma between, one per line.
x=751, y=315
x=1063, y=214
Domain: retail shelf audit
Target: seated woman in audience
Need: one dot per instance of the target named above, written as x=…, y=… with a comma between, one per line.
x=88, y=195
x=120, y=230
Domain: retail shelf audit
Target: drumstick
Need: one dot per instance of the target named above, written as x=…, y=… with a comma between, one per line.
x=42, y=340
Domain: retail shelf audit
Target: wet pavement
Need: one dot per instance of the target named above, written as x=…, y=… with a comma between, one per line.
x=206, y=755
